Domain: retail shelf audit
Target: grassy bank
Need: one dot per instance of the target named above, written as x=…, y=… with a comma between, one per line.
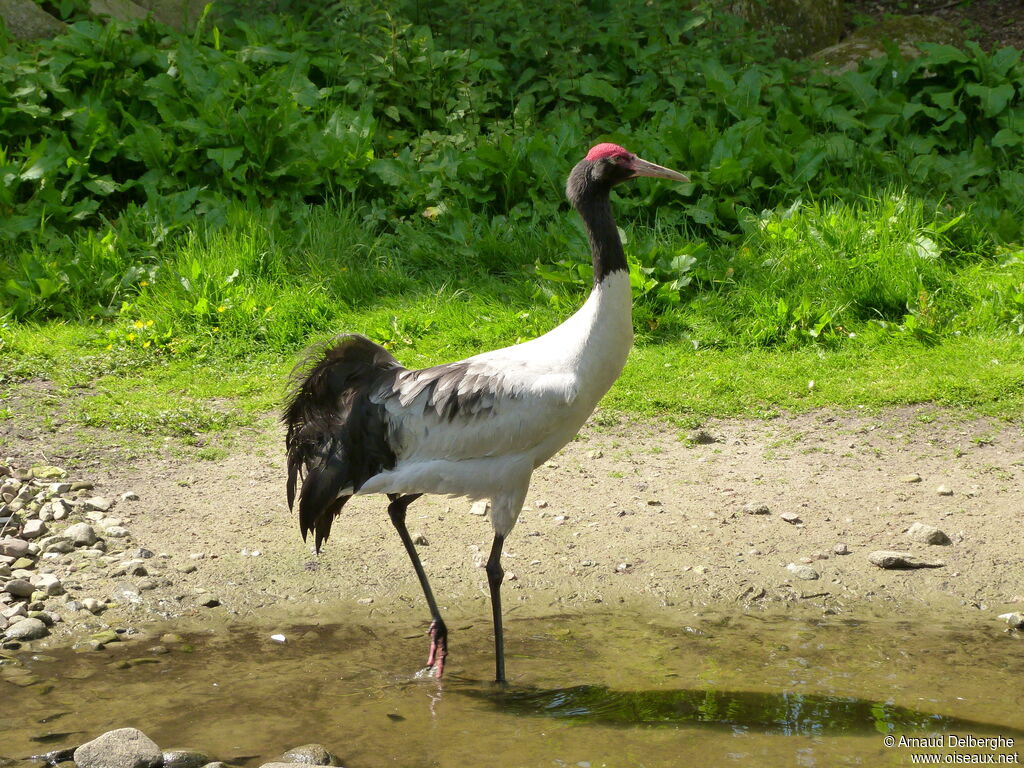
x=165, y=254
x=782, y=323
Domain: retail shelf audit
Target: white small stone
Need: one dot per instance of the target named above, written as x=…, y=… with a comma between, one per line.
x=48, y=583
x=33, y=529
x=804, y=572
x=129, y=496
x=99, y=503
x=60, y=509
x=92, y=605
x=943, y=490
x=480, y=508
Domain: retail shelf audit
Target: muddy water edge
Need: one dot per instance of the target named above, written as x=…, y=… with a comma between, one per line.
x=595, y=688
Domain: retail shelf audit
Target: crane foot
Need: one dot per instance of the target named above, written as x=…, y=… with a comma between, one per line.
x=438, y=647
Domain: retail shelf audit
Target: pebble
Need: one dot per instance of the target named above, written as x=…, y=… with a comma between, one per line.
x=480, y=508
x=790, y=517
x=309, y=754
x=48, y=583
x=757, y=509
x=13, y=547
x=81, y=534
x=92, y=605
x=19, y=588
x=116, y=532
x=33, y=529
x=890, y=560
x=47, y=472
x=911, y=478
x=129, y=496
x=804, y=572
x=943, y=490
x=98, y=503
x=927, y=534
x=59, y=545
x=26, y=629
x=121, y=748
x=420, y=540
x=59, y=509
x=841, y=549
x=184, y=758
x=1015, y=619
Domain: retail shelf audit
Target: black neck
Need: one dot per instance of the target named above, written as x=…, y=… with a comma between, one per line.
x=591, y=200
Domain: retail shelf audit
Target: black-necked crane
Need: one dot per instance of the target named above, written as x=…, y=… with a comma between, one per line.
x=359, y=423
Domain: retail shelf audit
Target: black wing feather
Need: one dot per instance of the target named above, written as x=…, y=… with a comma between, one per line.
x=337, y=438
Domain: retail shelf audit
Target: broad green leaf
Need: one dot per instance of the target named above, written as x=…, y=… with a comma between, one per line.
x=993, y=99
x=591, y=85
x=225, y=157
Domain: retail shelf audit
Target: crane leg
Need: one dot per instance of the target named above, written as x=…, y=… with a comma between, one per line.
x=494, y=576
x=438, y=630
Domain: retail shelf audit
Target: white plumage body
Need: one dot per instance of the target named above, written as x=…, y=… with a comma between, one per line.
x=531, y=399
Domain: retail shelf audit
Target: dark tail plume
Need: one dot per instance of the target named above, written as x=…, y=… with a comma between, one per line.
x=336, y=437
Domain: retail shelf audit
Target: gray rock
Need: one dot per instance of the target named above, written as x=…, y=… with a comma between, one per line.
x=123, y=748
x=59, y=544
x=26, y=629
x=98, y=503
x=309, y=754
x=841, y=549
x=92, y=605
x=804, y=572
x=81, y=534
x=801, y=27
x=33, y=529
x=48, y=583
x=899, y=560
x=906, y=32
x=913, y=477
x=481, y=508
x=756, y=509
x=129, y=496
x=1015, y=619
x=13, y=547
x=790, y=517
x=19, y=588
x=116, y=532
x=185, y=758
x=927, y=534
x=944, y=490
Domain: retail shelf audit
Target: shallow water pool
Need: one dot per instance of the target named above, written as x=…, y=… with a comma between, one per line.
x=590, y=689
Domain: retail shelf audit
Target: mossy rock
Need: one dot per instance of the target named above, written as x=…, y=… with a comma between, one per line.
x=27, y=21
x=801, y=26
x=905, y=32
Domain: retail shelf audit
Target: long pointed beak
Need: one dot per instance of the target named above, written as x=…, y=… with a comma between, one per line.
x=644, y=168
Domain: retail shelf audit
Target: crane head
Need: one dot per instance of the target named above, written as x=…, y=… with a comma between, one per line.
x=614, y=164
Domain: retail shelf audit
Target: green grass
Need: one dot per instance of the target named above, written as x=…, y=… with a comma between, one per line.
x=205, y=347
